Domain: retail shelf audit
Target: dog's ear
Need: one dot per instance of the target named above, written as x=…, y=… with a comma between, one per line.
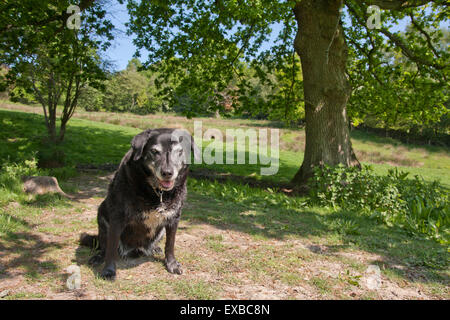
x=138, y=143
x=187, y=141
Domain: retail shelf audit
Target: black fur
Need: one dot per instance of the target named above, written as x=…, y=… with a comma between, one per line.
x=132, y=201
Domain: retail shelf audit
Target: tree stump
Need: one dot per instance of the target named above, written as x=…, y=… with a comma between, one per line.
x=41, y=185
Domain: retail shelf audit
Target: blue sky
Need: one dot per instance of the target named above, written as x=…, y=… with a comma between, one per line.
x=122, y=48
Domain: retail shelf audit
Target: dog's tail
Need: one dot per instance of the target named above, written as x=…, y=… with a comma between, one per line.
x=89, y=240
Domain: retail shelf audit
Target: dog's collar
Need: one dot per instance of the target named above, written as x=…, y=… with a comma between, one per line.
x=159, y=193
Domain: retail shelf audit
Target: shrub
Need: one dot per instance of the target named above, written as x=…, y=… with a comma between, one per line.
x=11, y=186
x=418, y=206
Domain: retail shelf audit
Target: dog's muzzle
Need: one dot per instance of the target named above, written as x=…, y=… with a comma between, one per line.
x=166, y=185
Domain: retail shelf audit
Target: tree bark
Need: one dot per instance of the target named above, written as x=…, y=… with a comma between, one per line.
x=51, y=128
x=321, y=45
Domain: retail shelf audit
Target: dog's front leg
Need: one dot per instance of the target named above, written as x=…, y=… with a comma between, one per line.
x=172, y=264
x=112, y=245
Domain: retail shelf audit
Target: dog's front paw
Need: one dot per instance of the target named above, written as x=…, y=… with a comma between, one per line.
x=173, y=266
x=108, y=273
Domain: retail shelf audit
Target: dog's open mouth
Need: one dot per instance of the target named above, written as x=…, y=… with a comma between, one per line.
x=166, y=185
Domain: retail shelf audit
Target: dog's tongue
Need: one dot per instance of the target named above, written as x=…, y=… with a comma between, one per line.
x=166, y=184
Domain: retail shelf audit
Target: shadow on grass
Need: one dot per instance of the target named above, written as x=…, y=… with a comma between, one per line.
x=21, y=249
x=252, y=213
x=408, y=256
x=91, y=184
x=83, y=254
x=24, y=250
x=414, y=258
x=268, y=215
x=22, y=135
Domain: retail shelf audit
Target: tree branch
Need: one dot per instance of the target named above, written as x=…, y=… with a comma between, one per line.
x=396, y=40
x=407, y=51
x=338, y=19
x=425, y=34
x=401, y=4
x=62, y=16
x=245, y=44
x=39, y=95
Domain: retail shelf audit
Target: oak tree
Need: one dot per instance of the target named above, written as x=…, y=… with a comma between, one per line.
x=206, y=41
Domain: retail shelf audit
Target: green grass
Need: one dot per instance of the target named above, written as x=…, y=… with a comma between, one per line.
x=100, y=142
x=198, y=290
x=282, y=217
x=261, y=214
x=86, y=141
x=324, y=286
x=25, y=295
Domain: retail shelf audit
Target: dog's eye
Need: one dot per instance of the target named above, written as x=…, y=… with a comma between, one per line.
x=155, y=151
x=180, y=152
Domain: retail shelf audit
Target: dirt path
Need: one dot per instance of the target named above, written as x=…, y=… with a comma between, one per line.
x=217, y=262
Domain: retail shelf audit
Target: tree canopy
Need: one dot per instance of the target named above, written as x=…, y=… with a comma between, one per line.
x=213, y=38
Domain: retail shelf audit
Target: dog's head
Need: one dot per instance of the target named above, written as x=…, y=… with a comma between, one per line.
x=163, y=154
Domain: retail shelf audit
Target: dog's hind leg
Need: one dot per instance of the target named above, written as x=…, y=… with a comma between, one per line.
x=156, y=249
x=91, y=241
x=103, y=225
x=153, y=247
x=98, y=243
x=88, y=240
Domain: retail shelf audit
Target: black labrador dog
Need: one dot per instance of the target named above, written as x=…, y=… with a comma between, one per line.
x=144, y=200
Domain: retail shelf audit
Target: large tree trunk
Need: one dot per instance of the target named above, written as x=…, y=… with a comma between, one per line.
x=320, y=43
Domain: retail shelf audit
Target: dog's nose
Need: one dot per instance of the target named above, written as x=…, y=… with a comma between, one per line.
x=168, y=173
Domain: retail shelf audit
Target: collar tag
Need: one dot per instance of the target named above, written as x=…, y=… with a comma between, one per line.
x=159, y=193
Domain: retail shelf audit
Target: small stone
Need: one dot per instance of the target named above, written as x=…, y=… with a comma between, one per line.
x=74, y=280
x=373, y=277
x=4, y=293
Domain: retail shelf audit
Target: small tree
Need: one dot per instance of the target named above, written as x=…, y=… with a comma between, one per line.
x=52, y=55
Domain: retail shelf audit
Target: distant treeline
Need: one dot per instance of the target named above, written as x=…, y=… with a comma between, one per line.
x=413, y=116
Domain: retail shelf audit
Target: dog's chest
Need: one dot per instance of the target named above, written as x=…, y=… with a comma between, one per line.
x=154, y=218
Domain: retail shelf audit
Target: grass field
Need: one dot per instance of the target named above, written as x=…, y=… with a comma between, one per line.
x=234, y=241
x=111, y=134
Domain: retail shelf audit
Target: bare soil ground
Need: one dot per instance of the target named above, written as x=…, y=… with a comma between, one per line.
x=218, y=263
